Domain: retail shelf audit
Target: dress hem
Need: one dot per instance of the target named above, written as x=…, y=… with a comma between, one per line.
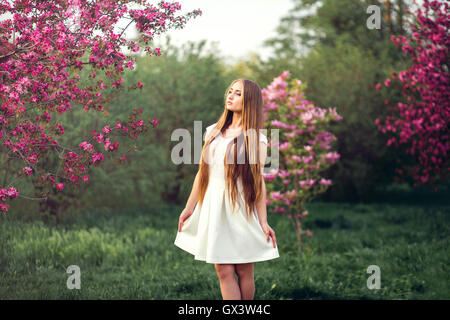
x=226, y=260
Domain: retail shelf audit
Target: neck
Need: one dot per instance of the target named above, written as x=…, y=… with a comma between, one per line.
x=236, y=123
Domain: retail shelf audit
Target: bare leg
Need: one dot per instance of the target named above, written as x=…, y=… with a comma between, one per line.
x=245, y=273
x=228, y=284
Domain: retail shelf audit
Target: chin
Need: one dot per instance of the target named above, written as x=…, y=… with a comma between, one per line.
x=234, y=109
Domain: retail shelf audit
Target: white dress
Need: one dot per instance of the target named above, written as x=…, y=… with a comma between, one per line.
x=216, y=234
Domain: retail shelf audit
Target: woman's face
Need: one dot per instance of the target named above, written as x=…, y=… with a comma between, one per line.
x=234, y=97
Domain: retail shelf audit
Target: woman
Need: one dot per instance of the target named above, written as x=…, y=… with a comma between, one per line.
x=228, y=227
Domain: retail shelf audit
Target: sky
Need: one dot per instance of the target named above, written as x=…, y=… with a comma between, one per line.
x=238, y=26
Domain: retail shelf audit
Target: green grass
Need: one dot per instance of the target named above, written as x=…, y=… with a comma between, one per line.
x=132, y=256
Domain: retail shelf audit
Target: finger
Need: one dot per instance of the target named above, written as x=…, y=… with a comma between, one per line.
x=274, y=239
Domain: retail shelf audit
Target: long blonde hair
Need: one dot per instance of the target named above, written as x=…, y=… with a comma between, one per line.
x=249, y=172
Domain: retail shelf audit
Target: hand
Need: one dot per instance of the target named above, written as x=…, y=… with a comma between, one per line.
x=186, y=213
x=269, y=233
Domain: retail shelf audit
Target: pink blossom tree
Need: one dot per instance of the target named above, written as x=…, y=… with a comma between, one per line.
x=420, y=121
x=39, y=80
x=305, y=149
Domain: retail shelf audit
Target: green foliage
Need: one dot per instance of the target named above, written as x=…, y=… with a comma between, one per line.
x=314, y=23
x=131, y=255
x=181, y=86
x=331, y=49
x=343, y=77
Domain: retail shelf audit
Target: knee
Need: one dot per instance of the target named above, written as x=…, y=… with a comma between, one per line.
x=225, y=271
x=244, y=270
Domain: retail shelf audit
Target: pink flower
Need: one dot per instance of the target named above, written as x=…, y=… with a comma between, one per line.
x=99, y=138
x=269, y=177
x=277, y=124
x=330, y=157
x=292, y=193
x=10, y=193
x=307, y=159
x=275, y=195
x=283, y=173
x=97, y=157
x=32, y=157
x=291, y=134
x=285, y=145
x=60, y=129
x=107, y=144
x=285, y=74
x=4, y=207
x=271, y=106
x=324, y=182
x=154, y=122
x=28, y=171
x=303, y=183
x=106, y=129
x=60, y=186
x=87, y=146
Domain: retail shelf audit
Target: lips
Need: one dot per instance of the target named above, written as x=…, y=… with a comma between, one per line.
x=229, y=102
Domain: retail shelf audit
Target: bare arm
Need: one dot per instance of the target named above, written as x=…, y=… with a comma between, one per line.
x=190, y=205
x=261, y=206
x=193, y=197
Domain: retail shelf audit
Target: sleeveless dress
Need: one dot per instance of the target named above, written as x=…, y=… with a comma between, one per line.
x=214, y=233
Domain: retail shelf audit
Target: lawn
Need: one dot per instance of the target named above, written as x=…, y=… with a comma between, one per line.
x=132, y=256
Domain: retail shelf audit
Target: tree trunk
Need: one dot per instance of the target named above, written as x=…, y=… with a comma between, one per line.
x=387, y=3
x=401, y=8
x=297, y=223
x=299, y=234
